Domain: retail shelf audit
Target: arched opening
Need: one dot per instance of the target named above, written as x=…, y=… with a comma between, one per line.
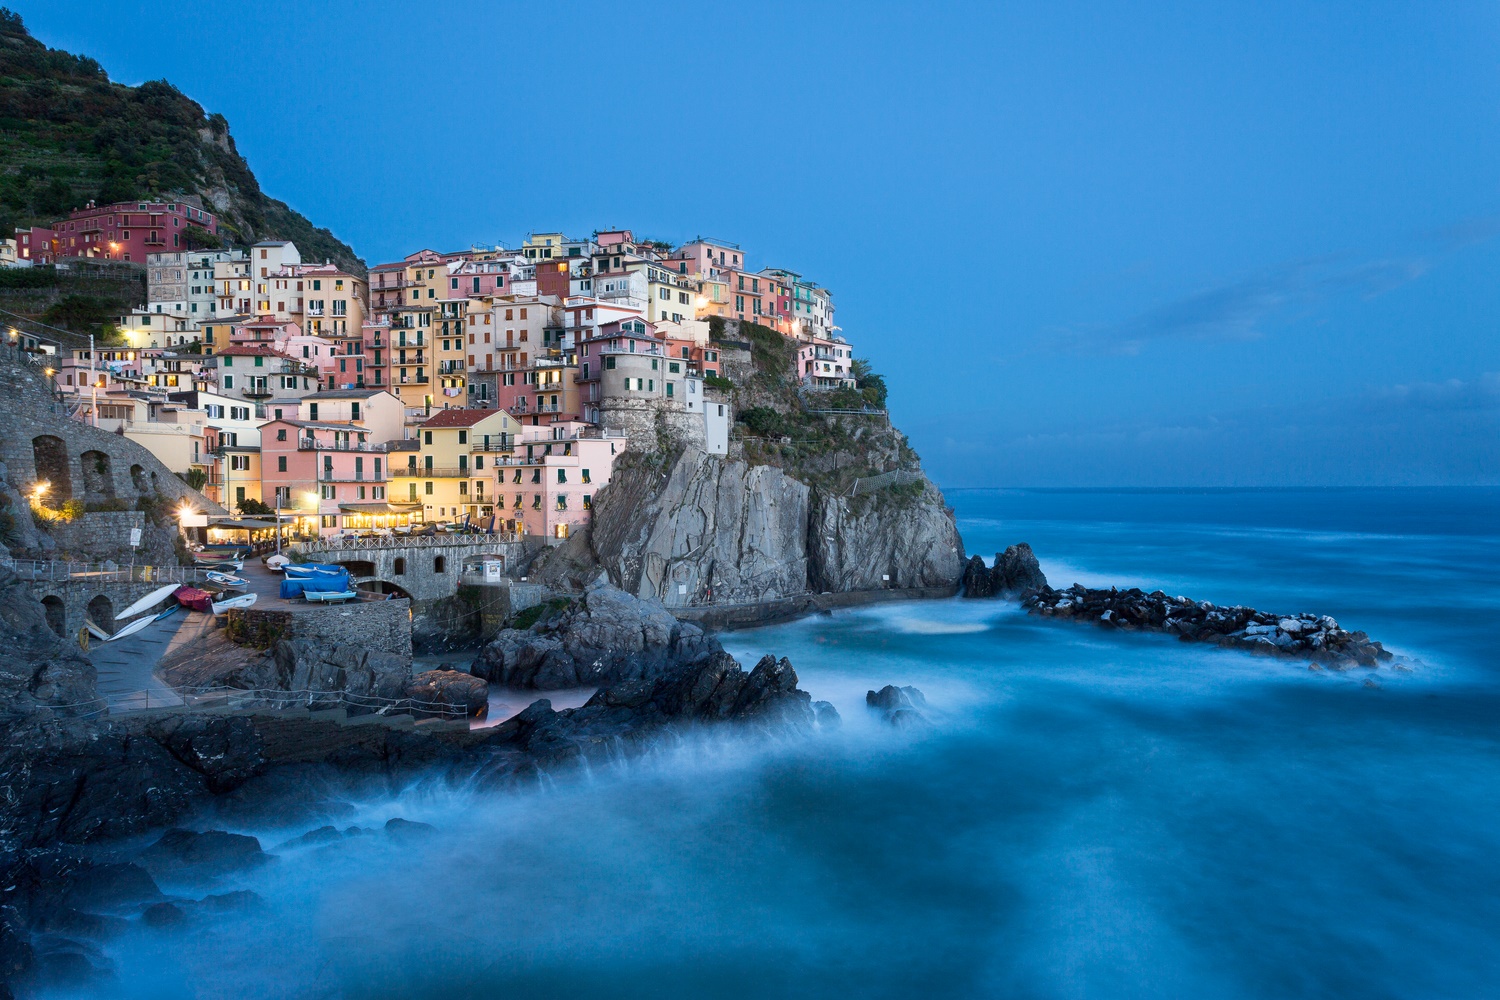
x=57, y=614
x=440, y=564
x=383, y=587
x=399, y=568
x=138, y=479
x=98, y=479
x=102, y=613
x=50, y=456
x=358, y=567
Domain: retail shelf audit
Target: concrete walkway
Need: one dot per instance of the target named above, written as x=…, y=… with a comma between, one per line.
x=127, y=679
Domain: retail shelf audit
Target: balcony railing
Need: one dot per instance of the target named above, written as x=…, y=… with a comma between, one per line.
x=436, y=472
x=313, y=444
x=493, y=446
x=414, y=379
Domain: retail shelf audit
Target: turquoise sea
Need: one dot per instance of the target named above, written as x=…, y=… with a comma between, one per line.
x=1089, y=815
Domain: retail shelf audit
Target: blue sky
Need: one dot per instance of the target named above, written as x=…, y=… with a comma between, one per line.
x=1126, y=244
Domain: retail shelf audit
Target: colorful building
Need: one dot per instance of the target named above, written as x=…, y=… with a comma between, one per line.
x=547, y=487
x=451, y=473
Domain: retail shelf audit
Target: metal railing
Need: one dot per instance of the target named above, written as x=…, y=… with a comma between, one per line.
x=57, y=571
x=901, y=477
x=352, y=543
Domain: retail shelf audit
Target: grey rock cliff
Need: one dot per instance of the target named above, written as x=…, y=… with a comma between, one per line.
x=699, y=529
x=704, y=528
x=875, y=541
x=39, y=671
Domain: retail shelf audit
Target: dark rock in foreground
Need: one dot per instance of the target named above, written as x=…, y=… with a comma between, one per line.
x=1016, y=572
x=606, y=637
x=1301, y=636
x=898, y=706
x=450, y=693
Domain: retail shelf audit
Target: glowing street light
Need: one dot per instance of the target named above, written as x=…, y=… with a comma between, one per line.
x=40, y=490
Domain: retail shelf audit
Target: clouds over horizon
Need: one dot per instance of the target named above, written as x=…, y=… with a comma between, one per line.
x=1238, y=309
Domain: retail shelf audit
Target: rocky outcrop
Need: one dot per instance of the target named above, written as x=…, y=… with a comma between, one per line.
x=882, y=540
x=39, y=671
x=702, y=528
x=1014, y=573
x=697, y=529
x=1302, y=636
x=450, y=692
x=300, y=665
x=605, y=637
x=897, y=706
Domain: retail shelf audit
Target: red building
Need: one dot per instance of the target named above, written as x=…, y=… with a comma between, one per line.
x=125, y=230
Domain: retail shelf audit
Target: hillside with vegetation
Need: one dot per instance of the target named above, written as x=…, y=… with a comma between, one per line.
x=68, y=135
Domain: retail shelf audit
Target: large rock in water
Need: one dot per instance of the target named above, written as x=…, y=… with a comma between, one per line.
x=1015, y=573
x=40, y=671
x=608, y=636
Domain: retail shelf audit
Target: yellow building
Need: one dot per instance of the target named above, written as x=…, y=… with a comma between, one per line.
x=451, y=474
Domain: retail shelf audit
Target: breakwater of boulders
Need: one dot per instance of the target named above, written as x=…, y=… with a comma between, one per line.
x=1017, y=573
x=1318, y=638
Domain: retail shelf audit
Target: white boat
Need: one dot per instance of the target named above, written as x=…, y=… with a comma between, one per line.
x=227, y=580
x=276, y=563
x=131, y=629
x=237, y=601
x=151, y=600
x=329, y=596
x=220, y=565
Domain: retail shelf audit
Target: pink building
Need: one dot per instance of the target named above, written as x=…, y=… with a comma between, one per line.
x=704, y=257
x=334, y=464
x=125, y=230
x=547, y=487
x=825, y=364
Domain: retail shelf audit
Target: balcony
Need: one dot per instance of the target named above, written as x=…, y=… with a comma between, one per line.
x=257, y=392
x=313, y=444
x=547, y=408
x=415, y=380
x=445, y=472
x=493, y=446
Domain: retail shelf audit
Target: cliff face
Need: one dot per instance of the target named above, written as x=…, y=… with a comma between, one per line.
x=702, y=529
x=897, y=538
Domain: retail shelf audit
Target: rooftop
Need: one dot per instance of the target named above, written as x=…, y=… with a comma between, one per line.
x=459, y=418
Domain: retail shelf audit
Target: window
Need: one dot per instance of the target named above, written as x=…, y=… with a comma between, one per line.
x=669, y=389
x=399, y=566
x=428, y=489
x=353, y=407
x=439, y=564
x=674, y=367
x=312, y=411
x=427, y=439
x=562, y=475
x=229, y=381
x=609, y=363
x=463, y=438
x=281, y=463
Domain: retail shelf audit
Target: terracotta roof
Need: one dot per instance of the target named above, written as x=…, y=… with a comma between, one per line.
x=263, y=350
x=459, y=418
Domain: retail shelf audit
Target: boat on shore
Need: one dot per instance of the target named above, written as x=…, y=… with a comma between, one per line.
x=151, y=600
x=237, y=601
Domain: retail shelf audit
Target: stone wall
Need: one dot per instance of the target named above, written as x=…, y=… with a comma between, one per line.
x=39, y=441
x=382, y=625
x=66, y=603
x=106, y=535
x=424, y=569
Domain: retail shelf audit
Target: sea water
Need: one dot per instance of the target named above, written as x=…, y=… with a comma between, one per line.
x=1088, y=814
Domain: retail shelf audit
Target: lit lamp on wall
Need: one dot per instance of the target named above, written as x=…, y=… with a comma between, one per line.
x=39, y=491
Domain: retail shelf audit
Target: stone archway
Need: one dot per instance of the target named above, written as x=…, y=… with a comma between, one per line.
x=385, y=587
x=357, y=567
x=102, y=612
x=57, y=614
x=138, y=479
x=50, y=455
x=98, y=476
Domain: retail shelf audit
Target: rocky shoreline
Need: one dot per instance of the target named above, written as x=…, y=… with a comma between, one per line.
x=1303, y=636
